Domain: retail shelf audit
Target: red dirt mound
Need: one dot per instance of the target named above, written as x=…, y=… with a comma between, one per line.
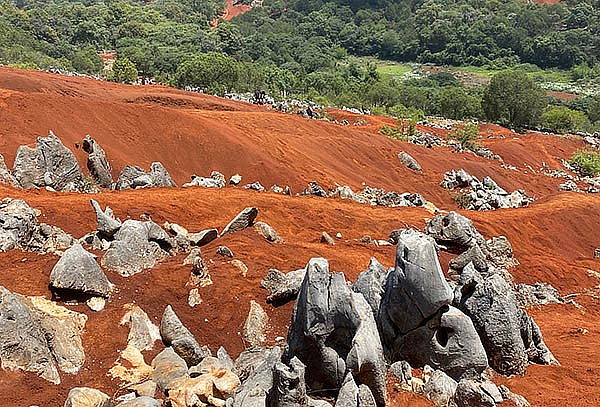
x=554, y=238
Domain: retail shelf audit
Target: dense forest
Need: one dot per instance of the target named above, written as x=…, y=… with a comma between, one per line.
x=302, y=47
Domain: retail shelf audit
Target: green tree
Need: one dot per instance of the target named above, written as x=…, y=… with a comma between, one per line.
x=588, y=162
x=212, y=72
x=87, y=61
x=563, y=120
x=513, y=98
x=124, y=71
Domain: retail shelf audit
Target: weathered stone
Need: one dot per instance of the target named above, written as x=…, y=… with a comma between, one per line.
x=402, y=371
x=137, y=246
x=365, y=397
x=97, y=163
x=454, y=231
x=519, y=400
x=348, y=394
x=289, y=386
x=235, y=180
x=537, y=294
x=168, y=367
x=470, y=394
x=409, y=161
x=267, y=232
x=224, y=251
x=5, y=176
x=240, y=266
x=160, y=176
x=241, y=221
x=254, y=390
x=370, y=283
x=474, y=255
x=141, y=402
x=203, y=237
x=176, y=335
x=224, y=381
x=147, y=388
x=18, y=224
x=315, y=189
x=96, y=304
x=216, y=180
x=284, y=287
x=333, y=333
x=440, y=388
x=194, y=297
x=132, y=177
x=255, y=325
x=249, y=360
x=256, y=186
x=131, y=368
x=142, y=332
x=77, y=272
x=106, y=223
x=87, y=397
x=326, y=238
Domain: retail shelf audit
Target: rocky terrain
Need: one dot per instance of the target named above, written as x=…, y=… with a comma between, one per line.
x=311, y=263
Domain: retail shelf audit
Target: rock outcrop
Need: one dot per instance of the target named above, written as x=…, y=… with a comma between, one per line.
x=176, y=335
x=97, y=163
x=241, y=221
x=134, y=177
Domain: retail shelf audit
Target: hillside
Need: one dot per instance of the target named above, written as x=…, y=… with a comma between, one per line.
x=553, y=238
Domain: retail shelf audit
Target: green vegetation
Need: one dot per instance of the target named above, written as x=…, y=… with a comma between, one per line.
x=564, y=120
x=467, y=136
x=123, y=71
x=588, y=162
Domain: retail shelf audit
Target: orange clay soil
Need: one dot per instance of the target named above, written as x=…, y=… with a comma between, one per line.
x=554, y=238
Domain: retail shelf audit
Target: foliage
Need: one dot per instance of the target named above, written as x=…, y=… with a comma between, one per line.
x=124, y=71
x=213, y=72
x=467, y=136
x=513, y=98
x=588, y=162
x=563, y=120
x=394, y=132
x=410, y=113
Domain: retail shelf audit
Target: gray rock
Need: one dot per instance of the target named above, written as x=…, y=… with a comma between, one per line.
x=224, y=251
x=370, y=283
x=537, y=294
x=87, y=397
x=254, y=330
x=470, y=394
x=203, y=237
x=326, y=238
x=536, y=349
x=22, y=340
x=160, y=176
x=49, y=164
x=133, y=177
x=365, y=397
x=267, y=232
x=235, y=180
x=333, y=333
x=454, y=231
x=18, y=224
x=457, y=179
x=402, y=371
x=409, y=161
x=348, y=394
x=241, y=221
x=447, y=342
x=168, y=367
x=284, y=287
x=216, y=180
x=519, y=400
x=225, y=359
x=5, y=176
x=440, y=388
x=492, y=306
x=256, y=186
x=106, y=223
x=176, y=335
x=77, y=272
x=97, y=163
x=255, y=389
x=251, y=359
x=474, y=255
x=315, y=189
x=142, y=332
x=136, y=246
x=289, y=387
x=500, y=253
x=415, y=290
x=141, y=402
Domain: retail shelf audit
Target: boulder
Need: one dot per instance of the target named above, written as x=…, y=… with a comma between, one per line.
x=168, y=368
x=106, y=223
x=267, y=232
x=87, y=397
x=141, y=402
x=256, y=387
x=160, y=176
x=365, y=397
x=348, y=394
x=77, y=273
x=249, y=360
x=333, y=333
x=132, y=177
x=256, y=324
x=473, y=255
x=176, y=335
x=97, y=163
x=137, y=246
x=370, y=283
x=18, y=224
x=454, y=231
x=284, y=287
x=142, y=332
x=415, y=290
x=409, y=161
x=49, y=164
x=224, y=251
x=242, y=220
x=469, y=393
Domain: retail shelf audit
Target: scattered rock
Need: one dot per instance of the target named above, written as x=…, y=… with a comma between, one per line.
x=168, y=367
x=241, y=266
x=160, y=176
x=267, y=232
x=224, y=251
x=289, y=386
x=409, y=161
x=77, y=273
x=255, y=369
x=203, y=237
x=96, y=304
x=141, y=402
x=194, y=298
x=176, y=335
x=130, y=368
x=216, y=180
x=325, y=238
x=256, y=186
x=142, y=332
x=5, y=176
x=241, y=221
x=315, y=189
x=97, y=163
x=440, y=388
x=519, y=400
x=284, y=287
x=537, y=294
x=235, y=180
x=106, y=223
x=134, y=177
x=87, y=397
x=469, y=393
x=255, y=325
x=200, y=274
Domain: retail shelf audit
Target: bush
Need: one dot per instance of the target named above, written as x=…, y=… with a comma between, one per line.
x=393, y=132
x=563, y=120
x=410, y=113
x=588, y=162
x=466, y=136
x=124, y=71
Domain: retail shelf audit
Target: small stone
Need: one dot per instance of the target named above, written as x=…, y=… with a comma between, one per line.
x=240, y=265
x=267, y=232
x=225, y=251
x=338, y=235
x=325, y=238
x=255, y=325
x=87, y=397
x=194, y=298
x=203, y=237
x=235, y=180
x=96, y=303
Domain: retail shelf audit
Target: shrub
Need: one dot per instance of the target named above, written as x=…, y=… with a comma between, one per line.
x=588, y=162
x=123, y=71
x=563, y=120
x=466, y=136
x=393, y=132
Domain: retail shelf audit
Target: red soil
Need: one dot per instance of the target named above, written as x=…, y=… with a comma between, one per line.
x=231, y=10
x=562, y=95
x=554, y=238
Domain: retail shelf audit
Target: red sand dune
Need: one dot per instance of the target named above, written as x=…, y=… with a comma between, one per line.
x=554, y=238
